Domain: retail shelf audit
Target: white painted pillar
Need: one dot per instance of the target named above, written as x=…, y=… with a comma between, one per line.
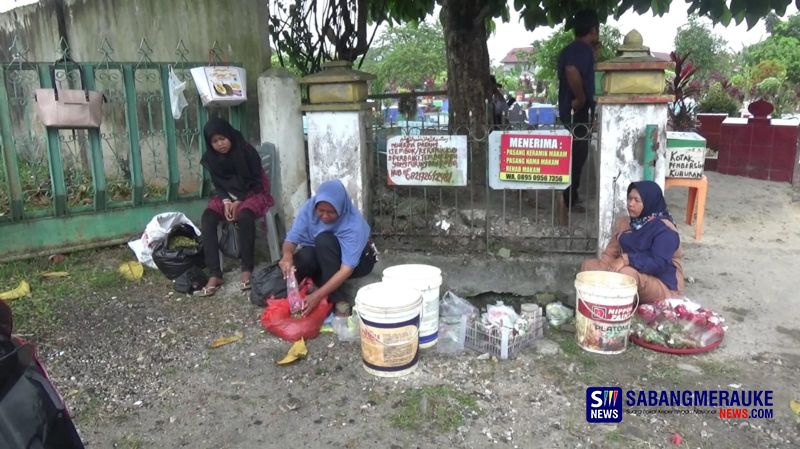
x=621, y=155
x=337, y=149
x=282, y=125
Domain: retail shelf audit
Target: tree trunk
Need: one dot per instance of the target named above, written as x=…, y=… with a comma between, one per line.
x=467, y=74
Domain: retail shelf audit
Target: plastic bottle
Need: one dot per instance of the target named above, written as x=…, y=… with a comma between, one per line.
x=296, y=303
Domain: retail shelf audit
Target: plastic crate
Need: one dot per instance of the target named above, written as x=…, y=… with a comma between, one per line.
x=502, y=343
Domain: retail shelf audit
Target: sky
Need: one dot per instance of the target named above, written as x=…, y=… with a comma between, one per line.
x=658, y=32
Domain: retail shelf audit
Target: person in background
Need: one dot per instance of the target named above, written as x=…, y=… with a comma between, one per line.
x=576, y=95
x=499, y=103
x=241, y=194
x=335, y=246
x=646, y=247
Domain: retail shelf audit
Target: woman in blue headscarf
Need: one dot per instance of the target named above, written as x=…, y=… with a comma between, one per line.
x=335, y=245
x=646, y=247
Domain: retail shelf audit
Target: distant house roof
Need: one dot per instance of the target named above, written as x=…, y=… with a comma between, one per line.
x=514, y=56
x=661, y=55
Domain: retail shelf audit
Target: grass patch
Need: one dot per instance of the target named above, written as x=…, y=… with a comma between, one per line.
x=571, y=349
x=718, y=369
x=667, y=373
x=619, y=439
x=438, y=408
x=92, y=271
x=128, y=442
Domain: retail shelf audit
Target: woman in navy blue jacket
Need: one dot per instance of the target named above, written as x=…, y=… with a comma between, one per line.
x=646, y=247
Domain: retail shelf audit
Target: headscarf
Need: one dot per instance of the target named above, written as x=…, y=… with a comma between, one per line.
x=350, y=228
x=235, y=173
x=654, y=205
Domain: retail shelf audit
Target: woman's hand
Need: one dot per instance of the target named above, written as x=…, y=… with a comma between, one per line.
x=311, y=302
x=620, y=262
x=286, y=265
x=228, y=207
x=233, y=214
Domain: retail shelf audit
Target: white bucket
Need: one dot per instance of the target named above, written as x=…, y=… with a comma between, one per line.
x=389, y=328
x=606, y=302
x=428, y=280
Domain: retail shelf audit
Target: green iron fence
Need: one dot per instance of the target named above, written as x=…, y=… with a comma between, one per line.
x=62, y=190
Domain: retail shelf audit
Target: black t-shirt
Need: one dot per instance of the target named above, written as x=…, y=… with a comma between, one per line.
x=580, y=55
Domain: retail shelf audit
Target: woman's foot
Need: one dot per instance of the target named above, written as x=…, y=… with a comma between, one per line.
x=211, y=287
x=245, y=284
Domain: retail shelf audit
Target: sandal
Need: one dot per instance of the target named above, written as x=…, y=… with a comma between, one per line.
x=207, y=291
x=244, y=286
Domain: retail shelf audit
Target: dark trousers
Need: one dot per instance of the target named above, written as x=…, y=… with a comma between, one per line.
x=321, y=261
x=247, y=240
x=580, y=127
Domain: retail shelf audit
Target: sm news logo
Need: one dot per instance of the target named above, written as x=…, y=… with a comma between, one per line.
x=604, y=404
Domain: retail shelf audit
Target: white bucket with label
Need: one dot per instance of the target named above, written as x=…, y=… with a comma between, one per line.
x=606, y=302
x=389, y=316
x=428, y=280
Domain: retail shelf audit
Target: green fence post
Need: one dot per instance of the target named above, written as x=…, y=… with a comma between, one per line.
x=236, y=118
x=10, y=151
x=202, y=118
x=172, y=141
x=54, y=153
x=98, y=167
x=650, y=142
x=132, y=115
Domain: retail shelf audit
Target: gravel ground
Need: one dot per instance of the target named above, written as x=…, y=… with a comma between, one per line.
x=137, y=370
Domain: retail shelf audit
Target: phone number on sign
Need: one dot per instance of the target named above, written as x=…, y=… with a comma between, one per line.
x=537, y=178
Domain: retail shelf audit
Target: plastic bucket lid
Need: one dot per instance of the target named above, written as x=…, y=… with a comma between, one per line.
x=388, y=303
x=605, y=280
x=421, y=276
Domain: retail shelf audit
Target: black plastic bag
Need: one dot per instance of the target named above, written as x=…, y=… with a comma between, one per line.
x=229, y=240
x=174, y=262
x=267, y=283
x=32, y=413
x=191, y=280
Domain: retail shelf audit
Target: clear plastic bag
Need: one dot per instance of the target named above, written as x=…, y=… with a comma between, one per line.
x=454, y=313
x=176, y=97
x=347, y=328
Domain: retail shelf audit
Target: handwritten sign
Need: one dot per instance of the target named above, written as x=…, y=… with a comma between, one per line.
x=427, y=160
x=530, y=159
x=686, y=162
x=535, y=158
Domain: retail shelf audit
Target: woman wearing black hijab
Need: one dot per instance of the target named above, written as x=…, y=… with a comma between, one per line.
x=241, y=194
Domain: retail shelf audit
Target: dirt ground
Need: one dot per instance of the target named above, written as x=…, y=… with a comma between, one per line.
x=135, y=366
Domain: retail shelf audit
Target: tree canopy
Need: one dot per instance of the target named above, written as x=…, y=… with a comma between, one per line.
x=782, y=47
x=409, y=56
x=707, y=51
x=346, y=34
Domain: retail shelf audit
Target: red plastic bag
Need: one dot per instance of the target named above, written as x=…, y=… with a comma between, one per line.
x=277, y=317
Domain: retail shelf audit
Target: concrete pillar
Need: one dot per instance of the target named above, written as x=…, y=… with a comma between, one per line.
x=337, y=149
x=632, y=99
x=621, y=156
x=337, y=129
x=282, y=125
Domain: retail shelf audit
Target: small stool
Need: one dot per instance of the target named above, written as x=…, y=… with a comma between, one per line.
x=698, y=189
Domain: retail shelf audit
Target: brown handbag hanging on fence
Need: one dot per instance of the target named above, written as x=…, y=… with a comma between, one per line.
x=69, y=108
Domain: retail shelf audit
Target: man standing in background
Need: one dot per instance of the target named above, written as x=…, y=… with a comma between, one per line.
x=576, y=95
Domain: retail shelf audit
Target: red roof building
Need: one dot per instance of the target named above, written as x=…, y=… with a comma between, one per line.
x=520, y=58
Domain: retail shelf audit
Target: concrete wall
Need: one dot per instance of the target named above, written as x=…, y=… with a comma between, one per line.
x=282, y=125
x=240, y=28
